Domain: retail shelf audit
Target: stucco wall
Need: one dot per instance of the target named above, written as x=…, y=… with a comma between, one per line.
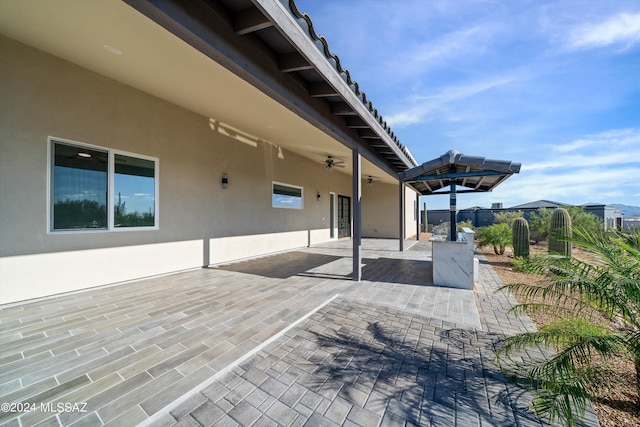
x=380, y=211
x=42, y=96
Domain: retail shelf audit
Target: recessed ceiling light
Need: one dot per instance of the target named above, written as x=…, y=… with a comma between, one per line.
x=112, y=49
x=85, y=155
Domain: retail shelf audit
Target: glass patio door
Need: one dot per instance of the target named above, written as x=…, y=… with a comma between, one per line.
x=344, y=216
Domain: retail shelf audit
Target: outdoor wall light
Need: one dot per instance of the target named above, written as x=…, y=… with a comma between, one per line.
x=225, y=181
x=319, y=196
x=370, y=181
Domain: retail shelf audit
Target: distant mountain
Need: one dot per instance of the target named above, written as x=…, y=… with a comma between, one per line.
x=628, y=211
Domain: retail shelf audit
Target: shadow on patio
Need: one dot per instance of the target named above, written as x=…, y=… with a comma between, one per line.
x=412, y=370
x=401, y=271
x=322, y=266
x=333, y=260
x=131, y=351
x=284, y=265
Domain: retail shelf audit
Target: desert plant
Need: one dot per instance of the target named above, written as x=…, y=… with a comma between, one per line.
x=497, y=235
x=575, y=290
x=462, y=224
x=540, y=220
x=583, y=220
x=539, y=224
x=522, y=264
x=507, y=217
x=560, y=232
x=520, y=237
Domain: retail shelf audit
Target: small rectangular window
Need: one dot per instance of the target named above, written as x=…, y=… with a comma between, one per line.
x=286, y=196
x=101, y=189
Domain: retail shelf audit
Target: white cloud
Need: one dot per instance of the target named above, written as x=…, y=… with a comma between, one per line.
x=616, y=137
x=602, y=168
x=622, y=30
x=433, y=53
x=582, y=161
x=573, y=187
x=422, y=105
x=610, y=148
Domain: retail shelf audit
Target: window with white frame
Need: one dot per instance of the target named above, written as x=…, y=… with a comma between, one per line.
x=286, y=196
x=94, y=188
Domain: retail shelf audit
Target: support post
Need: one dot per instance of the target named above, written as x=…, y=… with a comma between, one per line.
x=417, y=217
x=401, y=210
x=426, y=219
x=452, y=212
x=357, y=215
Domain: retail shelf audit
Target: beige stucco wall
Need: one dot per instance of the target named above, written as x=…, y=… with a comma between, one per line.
x=411, y=213
x=199, y=222
x=380, y=211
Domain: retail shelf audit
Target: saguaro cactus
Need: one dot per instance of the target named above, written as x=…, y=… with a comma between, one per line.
x=520, y=236
x=559, y=232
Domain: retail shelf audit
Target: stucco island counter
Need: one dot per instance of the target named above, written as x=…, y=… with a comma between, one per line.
x=453, y=262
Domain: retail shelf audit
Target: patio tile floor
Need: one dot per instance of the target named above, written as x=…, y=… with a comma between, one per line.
x=286, y=339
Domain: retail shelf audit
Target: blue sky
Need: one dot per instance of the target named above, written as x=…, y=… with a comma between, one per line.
x=554, y=85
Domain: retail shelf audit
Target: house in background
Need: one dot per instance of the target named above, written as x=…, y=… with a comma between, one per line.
x=631, y=223
x=609, y=215
x=481, y=217
x=144, y=138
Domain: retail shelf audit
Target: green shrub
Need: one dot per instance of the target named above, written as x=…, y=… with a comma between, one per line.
x=524, y=265
x=539, y=224
x=465, y=223
x=540, y=220
x=572, y=329
x=507, y=217
x=497, y=235
x=585, y=221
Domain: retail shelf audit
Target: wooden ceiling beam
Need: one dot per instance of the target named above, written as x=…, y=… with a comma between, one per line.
x=356, y=123
x=368, y=134
x=322, y=89
x=342, y=109
x=291, y=62
x=250, y=20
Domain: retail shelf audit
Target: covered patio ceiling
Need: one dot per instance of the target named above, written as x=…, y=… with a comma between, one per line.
x=256, y=66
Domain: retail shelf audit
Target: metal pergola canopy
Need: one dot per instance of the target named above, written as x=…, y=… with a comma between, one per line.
x=475, y=174
x=452, y=169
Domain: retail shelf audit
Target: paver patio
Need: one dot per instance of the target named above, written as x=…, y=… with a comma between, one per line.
x=286, y=339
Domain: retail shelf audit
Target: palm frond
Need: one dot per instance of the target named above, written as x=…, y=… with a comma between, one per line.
x=566, y=402
x=576, y=346
x=632, y=341
x=555, y=310
x=561, y=295
x=566, y=381
x=610, y=285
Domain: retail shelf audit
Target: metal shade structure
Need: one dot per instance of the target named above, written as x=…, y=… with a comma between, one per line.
x=444, y=174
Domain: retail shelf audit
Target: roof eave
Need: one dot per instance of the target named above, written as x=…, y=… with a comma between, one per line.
x=292, y=24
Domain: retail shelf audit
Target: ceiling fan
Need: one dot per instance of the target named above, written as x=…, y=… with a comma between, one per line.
x=332, y=162
x=370, y=180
